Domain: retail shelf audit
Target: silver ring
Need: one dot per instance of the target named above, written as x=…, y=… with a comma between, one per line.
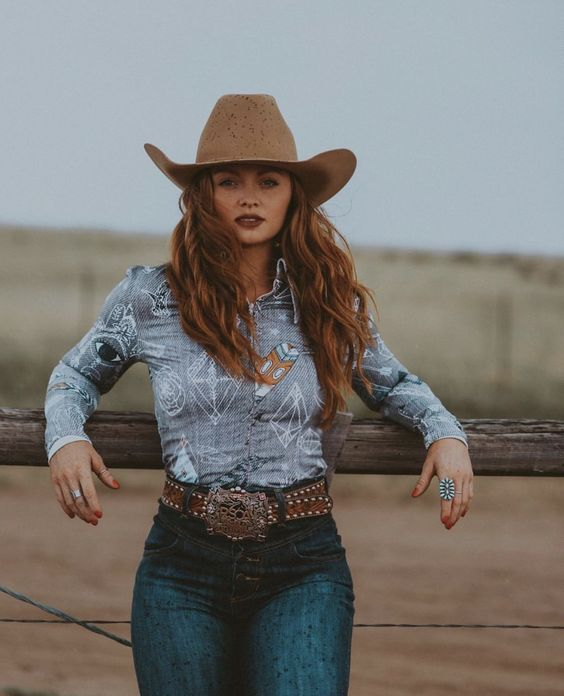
x=77, y=493
x=446, y=488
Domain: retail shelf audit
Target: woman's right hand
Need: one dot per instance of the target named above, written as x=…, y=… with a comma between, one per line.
x=71, y=468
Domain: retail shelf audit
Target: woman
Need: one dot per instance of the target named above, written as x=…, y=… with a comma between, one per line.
x=250, y=333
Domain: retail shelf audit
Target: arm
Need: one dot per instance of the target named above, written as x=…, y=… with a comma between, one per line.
x=402, y=396
x=83, y=374
x=406, y=399
x=91, y=367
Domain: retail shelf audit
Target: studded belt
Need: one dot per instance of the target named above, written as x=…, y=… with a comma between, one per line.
x=239, y=514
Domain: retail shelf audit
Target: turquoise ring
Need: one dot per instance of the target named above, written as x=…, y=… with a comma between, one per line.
x=446, y=488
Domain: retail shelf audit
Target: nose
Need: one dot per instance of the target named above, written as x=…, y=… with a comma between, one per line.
x=249, y=195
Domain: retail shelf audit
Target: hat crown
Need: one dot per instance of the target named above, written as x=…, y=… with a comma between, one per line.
x=246, y=127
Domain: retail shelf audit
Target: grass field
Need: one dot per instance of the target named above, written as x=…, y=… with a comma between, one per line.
x=486, y=332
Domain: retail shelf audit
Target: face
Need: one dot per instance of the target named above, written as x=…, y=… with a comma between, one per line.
x=247, y=190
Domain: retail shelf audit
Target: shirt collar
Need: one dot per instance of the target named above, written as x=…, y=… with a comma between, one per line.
x=282, y=275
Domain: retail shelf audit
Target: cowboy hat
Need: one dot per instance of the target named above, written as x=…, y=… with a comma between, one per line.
x=250, y=128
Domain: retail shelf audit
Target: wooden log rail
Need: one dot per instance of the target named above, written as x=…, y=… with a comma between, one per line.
x=130, y=440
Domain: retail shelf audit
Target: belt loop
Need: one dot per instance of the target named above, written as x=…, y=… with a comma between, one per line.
x=186, y=497
x=281, y=504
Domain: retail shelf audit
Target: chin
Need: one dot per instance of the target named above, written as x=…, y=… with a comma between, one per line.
x=248, y=241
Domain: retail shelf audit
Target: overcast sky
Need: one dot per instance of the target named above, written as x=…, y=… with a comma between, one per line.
x=454, y=108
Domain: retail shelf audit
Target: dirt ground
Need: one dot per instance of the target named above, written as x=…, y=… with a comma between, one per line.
x=501, y=564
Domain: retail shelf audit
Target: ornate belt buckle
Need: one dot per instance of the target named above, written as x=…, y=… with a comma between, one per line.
x=236, y=513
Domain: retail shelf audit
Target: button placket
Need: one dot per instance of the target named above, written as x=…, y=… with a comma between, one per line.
x=254, y=416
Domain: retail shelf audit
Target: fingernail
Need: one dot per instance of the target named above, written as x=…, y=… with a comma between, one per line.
x=116, y=484
x=98, y=513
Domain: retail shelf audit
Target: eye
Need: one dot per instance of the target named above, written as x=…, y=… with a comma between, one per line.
x=271, y=183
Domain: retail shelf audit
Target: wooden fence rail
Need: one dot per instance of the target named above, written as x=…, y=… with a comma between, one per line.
x=130, y=440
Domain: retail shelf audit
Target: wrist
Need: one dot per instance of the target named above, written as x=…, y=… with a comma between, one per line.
x=447, y=441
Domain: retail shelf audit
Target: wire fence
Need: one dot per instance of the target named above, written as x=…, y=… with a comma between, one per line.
x=67, y=618
x=90, y=623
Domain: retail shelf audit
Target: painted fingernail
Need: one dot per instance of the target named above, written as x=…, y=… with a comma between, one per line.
x=98, y=513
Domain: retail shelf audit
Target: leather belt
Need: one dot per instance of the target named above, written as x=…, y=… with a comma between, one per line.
x=239, y=514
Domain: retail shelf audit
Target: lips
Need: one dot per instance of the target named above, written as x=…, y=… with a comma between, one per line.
x=250, y=218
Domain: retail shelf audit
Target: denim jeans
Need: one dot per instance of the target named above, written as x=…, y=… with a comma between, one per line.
x=215, y=617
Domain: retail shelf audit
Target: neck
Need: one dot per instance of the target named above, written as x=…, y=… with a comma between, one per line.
x=258, y=269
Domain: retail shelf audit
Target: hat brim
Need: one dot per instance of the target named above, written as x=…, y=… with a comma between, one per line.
x=322, y=176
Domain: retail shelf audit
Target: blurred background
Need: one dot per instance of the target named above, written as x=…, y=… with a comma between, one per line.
x=455, y=218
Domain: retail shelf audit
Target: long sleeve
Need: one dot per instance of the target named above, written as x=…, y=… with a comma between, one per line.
x=91, y=367
x=401, y=396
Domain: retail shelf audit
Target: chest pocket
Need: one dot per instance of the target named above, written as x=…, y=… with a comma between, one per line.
x=292, y=384
x=276, y=366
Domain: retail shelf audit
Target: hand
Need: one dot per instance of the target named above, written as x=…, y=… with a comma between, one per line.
x=70, y=470
x=449, y=457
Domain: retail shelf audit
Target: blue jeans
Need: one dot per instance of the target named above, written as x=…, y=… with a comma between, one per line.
x=215, y=617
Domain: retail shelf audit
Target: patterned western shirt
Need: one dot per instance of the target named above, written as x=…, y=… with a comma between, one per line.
x=217, y=429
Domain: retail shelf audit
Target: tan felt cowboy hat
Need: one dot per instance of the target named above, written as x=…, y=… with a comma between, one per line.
x=250, y=128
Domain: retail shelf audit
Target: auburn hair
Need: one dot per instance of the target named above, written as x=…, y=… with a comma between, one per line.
x=205, y=278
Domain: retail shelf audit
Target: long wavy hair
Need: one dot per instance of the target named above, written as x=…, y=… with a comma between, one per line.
x=204, y=274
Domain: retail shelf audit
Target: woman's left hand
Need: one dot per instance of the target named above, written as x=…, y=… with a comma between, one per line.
x=448, y=457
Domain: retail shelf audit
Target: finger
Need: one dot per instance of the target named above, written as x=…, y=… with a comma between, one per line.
x=84, y=508
x=420, y=486
x=470, y=495
x=62, y=503
x=67, y=497
x=456, y=503
x=80, y=505
x=425, y=478
x=445, y=511
x=464, y=498
x=90, y=497
x=103, y=473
